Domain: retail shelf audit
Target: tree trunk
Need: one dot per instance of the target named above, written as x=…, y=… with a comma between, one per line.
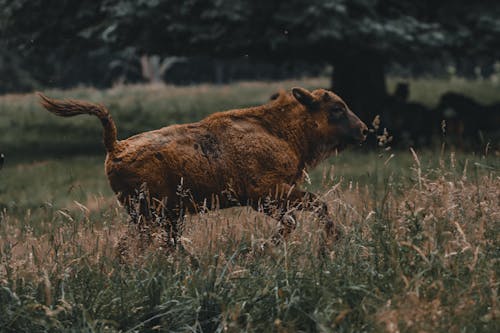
x=360, y=82
x=219, y=72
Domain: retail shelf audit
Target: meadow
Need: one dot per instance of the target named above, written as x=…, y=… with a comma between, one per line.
x=419, y=250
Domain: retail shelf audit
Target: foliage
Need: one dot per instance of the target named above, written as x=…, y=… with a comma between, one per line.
x=49, y=42
x=62, y=43
x=317, y=29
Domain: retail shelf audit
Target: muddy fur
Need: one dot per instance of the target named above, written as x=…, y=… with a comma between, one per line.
x=254, y=156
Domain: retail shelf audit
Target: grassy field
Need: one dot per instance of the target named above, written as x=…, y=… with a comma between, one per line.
x=29, y=133
x=419, y=253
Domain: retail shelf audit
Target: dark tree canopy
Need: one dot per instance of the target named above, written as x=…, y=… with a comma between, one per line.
x=56, y=41
x=316, y=29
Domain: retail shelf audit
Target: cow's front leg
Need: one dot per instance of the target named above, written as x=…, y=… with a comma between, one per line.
x=287, y=199
x=308, y=201
x=170, y=223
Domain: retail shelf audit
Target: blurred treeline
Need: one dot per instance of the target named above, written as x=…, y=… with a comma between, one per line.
x=64, y=43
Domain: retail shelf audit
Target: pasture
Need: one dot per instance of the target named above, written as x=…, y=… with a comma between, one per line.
x=419, y=252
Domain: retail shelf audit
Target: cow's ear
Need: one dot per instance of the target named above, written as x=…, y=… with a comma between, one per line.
x=303, y=96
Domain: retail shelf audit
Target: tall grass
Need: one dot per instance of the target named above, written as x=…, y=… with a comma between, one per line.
x=419, y=252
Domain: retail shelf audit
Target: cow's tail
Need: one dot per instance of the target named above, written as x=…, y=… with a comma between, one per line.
x=71, y=107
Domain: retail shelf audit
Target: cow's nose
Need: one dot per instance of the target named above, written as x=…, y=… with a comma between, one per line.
x=364, y=132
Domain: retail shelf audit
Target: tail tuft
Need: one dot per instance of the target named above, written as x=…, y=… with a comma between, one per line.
x=73, y=107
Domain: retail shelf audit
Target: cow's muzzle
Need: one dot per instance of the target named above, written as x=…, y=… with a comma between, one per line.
x=361, y=134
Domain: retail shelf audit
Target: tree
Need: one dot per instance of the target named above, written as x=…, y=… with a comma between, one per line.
x=358, y=37
x=51, y=42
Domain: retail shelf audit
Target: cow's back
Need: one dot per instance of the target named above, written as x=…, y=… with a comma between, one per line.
x=234, y=155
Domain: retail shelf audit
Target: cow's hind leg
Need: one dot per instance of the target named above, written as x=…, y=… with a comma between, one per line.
x=138, y=236
x=151, y=223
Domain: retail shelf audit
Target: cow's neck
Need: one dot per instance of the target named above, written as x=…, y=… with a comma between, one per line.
x=291, y=123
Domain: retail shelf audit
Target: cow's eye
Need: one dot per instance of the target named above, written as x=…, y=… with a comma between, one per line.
x=336, y=113
x=337, y=109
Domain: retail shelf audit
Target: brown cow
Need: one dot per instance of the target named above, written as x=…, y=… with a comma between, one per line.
x=238, y=157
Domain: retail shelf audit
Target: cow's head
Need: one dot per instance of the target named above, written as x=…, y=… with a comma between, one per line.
x=335, y=124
